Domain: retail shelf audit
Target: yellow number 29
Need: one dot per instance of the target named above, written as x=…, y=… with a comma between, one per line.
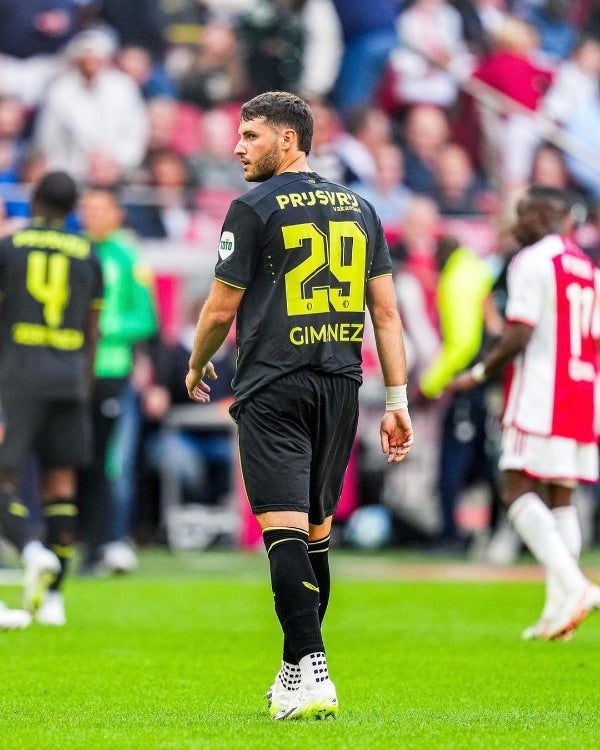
x=344, y=251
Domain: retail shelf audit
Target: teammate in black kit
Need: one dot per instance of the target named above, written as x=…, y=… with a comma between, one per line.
x=51, y=291
x=300, y=259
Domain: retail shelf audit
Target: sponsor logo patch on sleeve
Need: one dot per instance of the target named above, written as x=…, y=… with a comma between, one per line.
x=226, y=245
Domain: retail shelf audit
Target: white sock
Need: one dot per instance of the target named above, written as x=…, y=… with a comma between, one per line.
x=537, y=527
x=567, y=522
x=31, y=548
x=289, y=675
x=314, y=669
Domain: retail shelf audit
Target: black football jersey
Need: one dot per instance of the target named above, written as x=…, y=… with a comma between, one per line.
x=49, y=279
x=303, y=249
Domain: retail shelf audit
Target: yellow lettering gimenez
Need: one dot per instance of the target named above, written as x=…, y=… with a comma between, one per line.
x=343, y=332
x=357, y=329
x=319, y=334
x=296, y=336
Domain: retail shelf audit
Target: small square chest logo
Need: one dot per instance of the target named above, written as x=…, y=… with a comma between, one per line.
x=226, y=245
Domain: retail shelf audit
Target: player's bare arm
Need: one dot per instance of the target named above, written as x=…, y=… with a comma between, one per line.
x=214, y=322
x=513, y=341
x=396, y=429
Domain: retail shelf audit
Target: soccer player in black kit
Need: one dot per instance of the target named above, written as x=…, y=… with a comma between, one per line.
x=300, y=259
x=51, y=292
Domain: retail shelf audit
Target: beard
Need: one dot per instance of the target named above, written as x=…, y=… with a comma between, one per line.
x=264, y=167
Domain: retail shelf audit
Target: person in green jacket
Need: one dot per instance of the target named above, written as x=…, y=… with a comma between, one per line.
x=464, y=286
x=128, y=316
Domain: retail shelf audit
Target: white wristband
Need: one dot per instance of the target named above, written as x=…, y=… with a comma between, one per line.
x=477, y=372
x=395, y=397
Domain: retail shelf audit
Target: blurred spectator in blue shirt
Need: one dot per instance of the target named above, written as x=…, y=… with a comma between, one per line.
x=369, y=35
x=557, y=35
x=37, y=27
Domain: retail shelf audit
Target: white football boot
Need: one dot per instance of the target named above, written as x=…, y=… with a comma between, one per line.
x=284, y=688
x=315, y=702
x=13, y=619
x=42, y=567
x=576, y=607
x=52, y=610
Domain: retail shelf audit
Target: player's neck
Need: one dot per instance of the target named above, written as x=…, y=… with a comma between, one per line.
x=297, y=163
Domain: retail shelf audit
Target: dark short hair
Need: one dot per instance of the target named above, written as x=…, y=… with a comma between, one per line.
x=282, y=109
x=565, y=200
x=540, y=212
x=56, y=191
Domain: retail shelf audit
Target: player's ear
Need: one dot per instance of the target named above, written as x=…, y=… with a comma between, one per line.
x=289, y=137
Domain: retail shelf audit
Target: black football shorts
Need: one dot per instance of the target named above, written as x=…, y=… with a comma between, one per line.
x=295, y=438
x=59, y=433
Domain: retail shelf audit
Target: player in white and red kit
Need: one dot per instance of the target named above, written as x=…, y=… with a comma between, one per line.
x=549, y=441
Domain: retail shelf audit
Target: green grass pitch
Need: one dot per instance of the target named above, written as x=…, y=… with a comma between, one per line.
x=180, y=654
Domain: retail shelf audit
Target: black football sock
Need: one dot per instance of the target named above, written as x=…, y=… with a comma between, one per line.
x=318, y=553
x=60, y=516
x=288, y=654
x=14, y=517
x=295, y=590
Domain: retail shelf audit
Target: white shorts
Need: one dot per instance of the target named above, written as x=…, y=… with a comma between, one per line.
x=550, y=459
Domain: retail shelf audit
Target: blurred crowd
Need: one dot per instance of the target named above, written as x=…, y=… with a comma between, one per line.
x=441, y=113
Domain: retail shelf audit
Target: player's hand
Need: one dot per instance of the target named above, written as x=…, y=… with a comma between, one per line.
x=197, y=389
x=462, y=382
x=396, y=434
